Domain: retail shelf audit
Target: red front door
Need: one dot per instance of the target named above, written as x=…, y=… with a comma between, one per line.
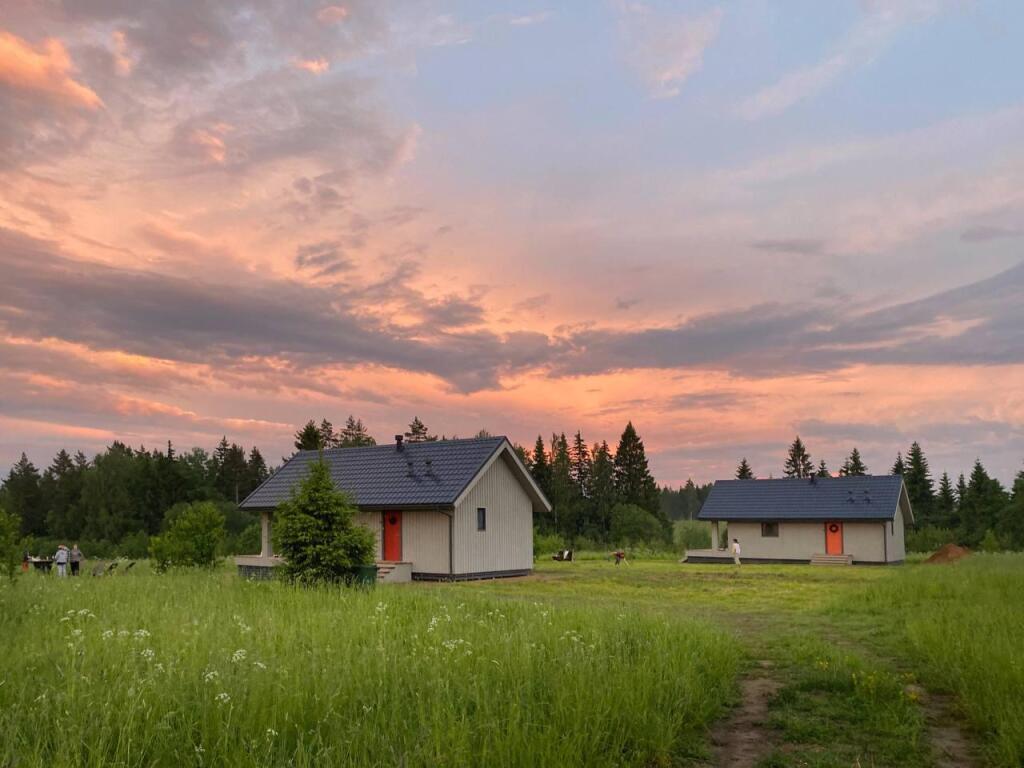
x=833, y=538
x=393, y=536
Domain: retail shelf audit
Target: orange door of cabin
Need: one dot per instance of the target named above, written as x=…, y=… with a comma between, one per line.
x=393, y=536
x=833, y=538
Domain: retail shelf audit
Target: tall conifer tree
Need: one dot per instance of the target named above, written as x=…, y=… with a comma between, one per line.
x=743, y=471
x=798, y=462
x=633, y=481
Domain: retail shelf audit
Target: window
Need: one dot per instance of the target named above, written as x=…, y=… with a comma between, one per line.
x=770, y=530
x=481, y=519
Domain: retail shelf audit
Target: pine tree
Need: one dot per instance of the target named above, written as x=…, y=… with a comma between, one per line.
x=309, y=437
x=961, y=490
x=823, y=470
x=418, y=432
x=743, y=471
x=798, y=462
x=691, y=499
x=256, y=470
x=1011, y=521
x=853, y=466
x=540, y=468
x=945, y=504
x=919, y=484
x=633, y=481
x=354, y=435
x=899, y=467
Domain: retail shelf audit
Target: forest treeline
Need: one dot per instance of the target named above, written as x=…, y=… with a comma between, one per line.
x=117, y=499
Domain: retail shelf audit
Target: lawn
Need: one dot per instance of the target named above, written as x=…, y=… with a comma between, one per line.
x=580, y=664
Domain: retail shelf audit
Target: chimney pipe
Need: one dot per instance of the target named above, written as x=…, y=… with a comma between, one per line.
x=398, y=442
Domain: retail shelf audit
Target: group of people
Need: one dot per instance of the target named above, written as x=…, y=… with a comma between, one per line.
x=62, y=558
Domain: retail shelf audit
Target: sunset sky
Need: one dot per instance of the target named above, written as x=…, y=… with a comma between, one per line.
x=728, y=222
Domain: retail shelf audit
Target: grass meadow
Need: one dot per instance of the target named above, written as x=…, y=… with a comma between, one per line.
x=580, y=664
x=206, y=669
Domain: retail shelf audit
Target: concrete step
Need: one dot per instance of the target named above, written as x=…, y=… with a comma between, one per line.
x=822, y=559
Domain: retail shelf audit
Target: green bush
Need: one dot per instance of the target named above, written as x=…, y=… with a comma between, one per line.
x=319, y=538
x=248, y=542
x=929, y=538
x=10, y=554
x=635, y=525
x=192, y=536
x=134, y=546
x=546, y=544
x=990, y=542
x=691, y=534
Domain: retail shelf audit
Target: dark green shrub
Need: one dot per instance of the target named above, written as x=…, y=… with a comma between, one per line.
x=319, y=539
x=192, y=536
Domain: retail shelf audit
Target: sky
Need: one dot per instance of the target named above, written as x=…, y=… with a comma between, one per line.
x=729, y=222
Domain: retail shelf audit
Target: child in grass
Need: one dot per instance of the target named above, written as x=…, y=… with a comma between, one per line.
x=736, y=551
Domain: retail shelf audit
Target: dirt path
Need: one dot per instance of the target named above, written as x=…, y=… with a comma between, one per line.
x=743, y=738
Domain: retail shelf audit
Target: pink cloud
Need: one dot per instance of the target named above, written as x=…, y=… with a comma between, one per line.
x=332, y=14
x=46, y=69
x=316, y=66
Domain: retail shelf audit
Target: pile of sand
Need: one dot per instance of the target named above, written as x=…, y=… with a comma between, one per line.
x=948, y=554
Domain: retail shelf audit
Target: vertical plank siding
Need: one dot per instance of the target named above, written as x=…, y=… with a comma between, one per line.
x=507, y=544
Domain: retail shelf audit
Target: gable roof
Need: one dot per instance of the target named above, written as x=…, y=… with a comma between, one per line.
x=867, y=497
x=382, y=476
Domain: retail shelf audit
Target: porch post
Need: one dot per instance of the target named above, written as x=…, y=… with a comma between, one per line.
x=716, y=540
x=267, y=548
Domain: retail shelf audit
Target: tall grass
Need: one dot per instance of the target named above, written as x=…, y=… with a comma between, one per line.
x=964, y=623
x=205, y=669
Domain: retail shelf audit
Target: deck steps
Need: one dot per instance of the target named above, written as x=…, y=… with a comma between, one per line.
x=832, y=560
x=384, y=570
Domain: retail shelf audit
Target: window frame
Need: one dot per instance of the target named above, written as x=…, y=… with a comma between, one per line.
x=481, y=519
x=767, y=528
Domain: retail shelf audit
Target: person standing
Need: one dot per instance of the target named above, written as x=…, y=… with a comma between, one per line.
x=60, y=559
x=76, y=558
x=736, y=551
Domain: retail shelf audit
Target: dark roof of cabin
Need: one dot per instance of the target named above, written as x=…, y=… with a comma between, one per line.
x=380, y=475
x=866, y=497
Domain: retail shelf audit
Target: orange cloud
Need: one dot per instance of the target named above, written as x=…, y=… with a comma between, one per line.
x=45, y=69
x=316, y=66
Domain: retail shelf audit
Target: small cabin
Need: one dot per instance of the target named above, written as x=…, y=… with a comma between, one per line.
x=440, y=510
x=858, y=519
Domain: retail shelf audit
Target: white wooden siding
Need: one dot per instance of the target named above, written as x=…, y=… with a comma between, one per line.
x=801, y=541
x=507, y=544
x=374, y=522
x=425, y=541
x=895, y=541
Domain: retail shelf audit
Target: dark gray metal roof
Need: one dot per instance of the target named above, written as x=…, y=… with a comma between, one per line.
x=867, y=497
x=380, y=475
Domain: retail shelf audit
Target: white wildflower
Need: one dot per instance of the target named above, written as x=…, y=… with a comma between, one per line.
x=107, y=634
x=381, y=607
x=259, y=665
x=271, y=733
x=238, y=656
x=223, y=697
x=76, y=633
x=141, y=634
x=210, y=676
x=148, y=654
x=65, y=618
x=123, y=633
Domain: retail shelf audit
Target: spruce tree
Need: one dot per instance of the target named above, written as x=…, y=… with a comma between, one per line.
x=899, y=467
x=564, y=493
x=308, y=438
x=23, y=497
x=418, y=432
x=798, y=462
x=919, y=484
x=853, y=466
x=945, y=504
x=983, y=504
x=823, y=469
x=633, y=481
x=319, y=538
x=603, y=490
x=743, y=471
x=581, y=465
x=256, y=470
x=328, y=438
x=355, y=435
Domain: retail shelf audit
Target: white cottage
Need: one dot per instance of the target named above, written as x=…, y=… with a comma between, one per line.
x=856, y=519
x=442, y=510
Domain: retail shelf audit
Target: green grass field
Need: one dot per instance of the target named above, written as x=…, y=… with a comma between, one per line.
x=579, y=664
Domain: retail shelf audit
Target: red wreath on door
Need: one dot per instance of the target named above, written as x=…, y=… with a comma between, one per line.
x=833, y=528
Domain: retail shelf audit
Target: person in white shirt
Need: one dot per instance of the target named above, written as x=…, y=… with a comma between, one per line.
x=61, y=560
x=736, y=551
